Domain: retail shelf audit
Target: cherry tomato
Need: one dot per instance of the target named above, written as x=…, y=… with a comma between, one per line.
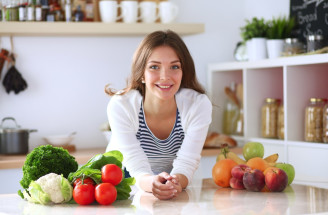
x=105, y=193
x=84, y=194
x=111, y=173
x=85, y=181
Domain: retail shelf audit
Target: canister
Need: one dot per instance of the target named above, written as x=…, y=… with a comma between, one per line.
x=269, y=117
x=313, y=120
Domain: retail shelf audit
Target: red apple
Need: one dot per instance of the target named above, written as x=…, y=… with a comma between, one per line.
x=239, y=171
x=276, y=179
x=236, y=184
x=254, y=180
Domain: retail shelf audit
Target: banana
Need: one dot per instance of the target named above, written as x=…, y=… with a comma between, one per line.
x=235, y=157
x=272, y=158
x=225, y=153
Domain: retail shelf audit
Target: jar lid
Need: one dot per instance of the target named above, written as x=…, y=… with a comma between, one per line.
x=317, y=100
x=314, y=37
x=271, y=100
x=291, y=40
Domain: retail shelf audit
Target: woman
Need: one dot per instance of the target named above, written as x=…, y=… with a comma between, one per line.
x=160, y=120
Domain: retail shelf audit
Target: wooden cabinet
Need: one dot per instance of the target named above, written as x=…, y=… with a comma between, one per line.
x=294, y=80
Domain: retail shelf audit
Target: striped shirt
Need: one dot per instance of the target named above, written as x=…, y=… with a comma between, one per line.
x=160, y=153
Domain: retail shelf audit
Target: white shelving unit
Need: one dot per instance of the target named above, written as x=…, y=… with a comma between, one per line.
x=293, y=80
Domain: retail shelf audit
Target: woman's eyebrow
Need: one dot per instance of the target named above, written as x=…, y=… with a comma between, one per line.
x=154, y=61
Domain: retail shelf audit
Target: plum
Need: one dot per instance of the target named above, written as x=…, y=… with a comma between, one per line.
x=254, y=180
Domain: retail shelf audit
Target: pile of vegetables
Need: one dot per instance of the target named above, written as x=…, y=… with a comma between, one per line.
x=53, y=180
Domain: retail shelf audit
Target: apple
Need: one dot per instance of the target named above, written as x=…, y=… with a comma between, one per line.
x=236, y=184
x=289, y=169
x=239, y=171
x=276, y=179
x=253, y=149
x=254, y=180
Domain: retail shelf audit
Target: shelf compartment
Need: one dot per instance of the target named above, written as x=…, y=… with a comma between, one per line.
x=93, y=28
x=217, y=82
x=260, y=84
x=308, y=81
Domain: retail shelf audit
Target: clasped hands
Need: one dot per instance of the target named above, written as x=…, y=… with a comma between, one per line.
x=166, y=186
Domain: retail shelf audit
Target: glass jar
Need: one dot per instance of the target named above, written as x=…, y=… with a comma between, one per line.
x=270, y=118
x=314, y=42
x=325, y=124
x=281, y=123
x=313, y=120
x=292, y=46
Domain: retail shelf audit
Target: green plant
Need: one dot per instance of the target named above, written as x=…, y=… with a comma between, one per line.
x=280, y=28
x=254, y=28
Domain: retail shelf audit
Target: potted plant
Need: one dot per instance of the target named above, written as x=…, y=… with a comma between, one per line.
x=254, y=35
x=279, y=29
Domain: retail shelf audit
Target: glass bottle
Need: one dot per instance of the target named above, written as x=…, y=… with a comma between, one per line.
x=325, y=124
x=281, y=122
x=230, y=114
x=22, y=10
x=11, y=12
x=68, y=11
x=38, y=11
x=313, y=120
x=30, y=11
x=78, y=14
x=270, y=118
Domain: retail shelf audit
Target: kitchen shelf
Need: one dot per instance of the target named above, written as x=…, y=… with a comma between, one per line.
x=293, y=80
x=93, y=28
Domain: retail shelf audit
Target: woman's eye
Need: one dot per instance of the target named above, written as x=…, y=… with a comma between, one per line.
x=175, y=67
x=153, y=67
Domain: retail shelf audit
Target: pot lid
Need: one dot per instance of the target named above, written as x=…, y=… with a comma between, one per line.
x=16, y=129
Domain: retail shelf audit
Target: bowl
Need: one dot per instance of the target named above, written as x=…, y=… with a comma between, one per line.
x=59, y=140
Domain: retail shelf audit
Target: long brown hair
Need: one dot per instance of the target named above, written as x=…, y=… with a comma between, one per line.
x=142, y=54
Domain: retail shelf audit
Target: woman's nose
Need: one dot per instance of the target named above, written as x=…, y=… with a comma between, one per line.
x=164, y=73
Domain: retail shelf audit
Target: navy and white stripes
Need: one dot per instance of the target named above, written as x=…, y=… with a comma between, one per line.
x=160, y=153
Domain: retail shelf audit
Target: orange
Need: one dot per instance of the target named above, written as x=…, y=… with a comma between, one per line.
x=258, y=163
x=221, y=172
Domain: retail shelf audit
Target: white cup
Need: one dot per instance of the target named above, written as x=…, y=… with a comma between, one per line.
x=130, y=11
x=168, y=11
x=148, y=11
x=108, y=11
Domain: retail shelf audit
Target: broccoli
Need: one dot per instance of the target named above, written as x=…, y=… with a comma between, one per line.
x=47, y=159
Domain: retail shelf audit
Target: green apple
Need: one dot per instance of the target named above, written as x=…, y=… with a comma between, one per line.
x=252, y=150
x=289, y=169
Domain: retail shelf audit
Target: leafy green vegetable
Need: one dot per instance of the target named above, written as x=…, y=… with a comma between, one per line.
x=50, y=188
x=93, y=167
x=46, y=159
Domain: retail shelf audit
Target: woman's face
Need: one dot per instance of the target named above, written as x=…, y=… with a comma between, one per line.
x=163, y=74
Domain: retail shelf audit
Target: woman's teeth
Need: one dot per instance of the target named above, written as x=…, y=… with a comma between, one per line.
x=164, y=87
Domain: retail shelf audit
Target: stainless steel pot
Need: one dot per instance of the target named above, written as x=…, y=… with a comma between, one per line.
x=14, y=140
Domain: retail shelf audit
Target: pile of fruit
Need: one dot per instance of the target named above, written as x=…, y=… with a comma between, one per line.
x=255, y=173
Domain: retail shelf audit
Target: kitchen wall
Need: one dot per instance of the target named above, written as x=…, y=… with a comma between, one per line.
x=66, y=75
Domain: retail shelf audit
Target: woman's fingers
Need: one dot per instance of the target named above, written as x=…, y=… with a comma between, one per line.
x=162, y=188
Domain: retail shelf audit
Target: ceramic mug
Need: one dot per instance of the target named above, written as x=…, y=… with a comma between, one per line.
x=108, y=11
x=168, y=11
x=148, y=11
x=130, y=11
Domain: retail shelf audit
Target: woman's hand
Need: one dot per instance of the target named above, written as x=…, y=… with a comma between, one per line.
x=165, y=186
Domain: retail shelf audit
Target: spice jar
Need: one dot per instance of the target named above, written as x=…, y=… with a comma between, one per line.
x=325, y=124
x=313, y=120
x=281, y=123
x=292, y=46
x=314, y=42
x=270, y=118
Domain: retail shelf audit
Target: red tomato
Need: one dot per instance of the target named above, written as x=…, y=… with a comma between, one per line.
x=85, y=181
x=105, y=193
x=84, y=194
x=111, y=173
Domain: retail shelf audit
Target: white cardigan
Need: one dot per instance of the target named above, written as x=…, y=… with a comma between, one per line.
x=196, y=114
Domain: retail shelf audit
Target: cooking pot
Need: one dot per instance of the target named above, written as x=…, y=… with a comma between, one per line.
x=13, y=140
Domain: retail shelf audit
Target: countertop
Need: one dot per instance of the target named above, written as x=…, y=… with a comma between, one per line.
x=83, y=155
x=202, y=197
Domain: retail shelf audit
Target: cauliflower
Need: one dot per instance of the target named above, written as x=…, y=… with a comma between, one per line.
x=50, y=188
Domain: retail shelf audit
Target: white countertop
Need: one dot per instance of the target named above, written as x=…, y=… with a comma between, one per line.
x=203, y=197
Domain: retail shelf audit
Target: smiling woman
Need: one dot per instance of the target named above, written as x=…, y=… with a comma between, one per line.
x=160, y=120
